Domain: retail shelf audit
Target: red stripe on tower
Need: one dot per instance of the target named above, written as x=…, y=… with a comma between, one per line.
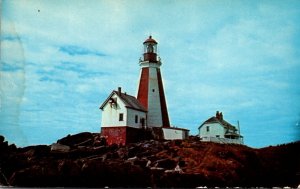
x=163, y=104
x=142, y=95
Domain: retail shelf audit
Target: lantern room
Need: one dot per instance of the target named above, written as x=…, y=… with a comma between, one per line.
x=150, y=50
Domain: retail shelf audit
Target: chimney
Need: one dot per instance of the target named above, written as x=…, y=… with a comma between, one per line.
x=221, y=116
x=217, y=115
x=119, y=90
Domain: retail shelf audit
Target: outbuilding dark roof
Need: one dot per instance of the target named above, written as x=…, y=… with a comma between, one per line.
x=129, y=101
x=222, y=122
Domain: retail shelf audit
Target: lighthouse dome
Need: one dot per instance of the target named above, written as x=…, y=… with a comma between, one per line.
x=150, y=40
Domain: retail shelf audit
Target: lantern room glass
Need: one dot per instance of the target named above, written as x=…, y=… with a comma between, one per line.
x=150, y=48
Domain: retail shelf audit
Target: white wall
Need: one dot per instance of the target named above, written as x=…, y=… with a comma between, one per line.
x=110, y=114
x=174, y=134
x=131, y=118
x=214, y=129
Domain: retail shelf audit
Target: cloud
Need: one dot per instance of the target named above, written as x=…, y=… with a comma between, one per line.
x=6, y=67
x=80, y=68
x=75, y=50
x=48, y=79
x=7, y=37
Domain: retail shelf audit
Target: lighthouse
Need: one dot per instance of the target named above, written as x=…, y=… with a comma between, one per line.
x=127, y=119
x=150, y=88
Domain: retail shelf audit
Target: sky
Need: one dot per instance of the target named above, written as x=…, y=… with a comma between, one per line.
x=61, y=59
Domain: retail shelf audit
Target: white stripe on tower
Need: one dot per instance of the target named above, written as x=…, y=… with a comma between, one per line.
x=154, y=106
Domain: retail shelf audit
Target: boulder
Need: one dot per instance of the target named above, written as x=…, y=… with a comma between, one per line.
x=39, y=175
x=84, y=138
x=3, y=179
x=165, y=163
x=2, y=138
x=56, y=147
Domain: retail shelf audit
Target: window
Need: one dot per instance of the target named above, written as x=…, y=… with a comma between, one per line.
x=136, y=118
x=113, y=102
x=207, y=128
x=218, y=136
x=153, y=90
x=121, y=117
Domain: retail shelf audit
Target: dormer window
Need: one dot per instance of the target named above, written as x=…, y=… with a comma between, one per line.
x=112, y=102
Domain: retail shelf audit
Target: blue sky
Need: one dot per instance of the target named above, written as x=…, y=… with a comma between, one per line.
x=61, y=59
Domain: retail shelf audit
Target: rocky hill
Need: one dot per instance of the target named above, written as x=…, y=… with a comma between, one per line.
x=83, y=160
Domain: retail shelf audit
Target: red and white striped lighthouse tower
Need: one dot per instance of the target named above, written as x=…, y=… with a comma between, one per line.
x=150, y=89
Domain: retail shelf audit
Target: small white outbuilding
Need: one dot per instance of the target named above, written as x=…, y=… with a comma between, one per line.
x=216, y=129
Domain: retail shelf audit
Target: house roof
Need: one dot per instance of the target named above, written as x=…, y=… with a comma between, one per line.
x=129, y=101
x=222, y=122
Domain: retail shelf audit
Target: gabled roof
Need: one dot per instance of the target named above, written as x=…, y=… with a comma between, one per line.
x=222, y=122
x=129, y=101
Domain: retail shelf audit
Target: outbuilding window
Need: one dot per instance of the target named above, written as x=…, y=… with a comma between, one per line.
x=121, y=117
x=207, y=128
x=136, y=118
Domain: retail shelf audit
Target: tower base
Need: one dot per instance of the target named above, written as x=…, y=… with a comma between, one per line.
x=124, y=135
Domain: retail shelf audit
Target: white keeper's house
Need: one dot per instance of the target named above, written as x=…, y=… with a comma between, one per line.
x=216, y=129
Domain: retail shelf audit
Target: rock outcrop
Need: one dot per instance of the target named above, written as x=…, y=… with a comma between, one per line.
x=84, y=160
